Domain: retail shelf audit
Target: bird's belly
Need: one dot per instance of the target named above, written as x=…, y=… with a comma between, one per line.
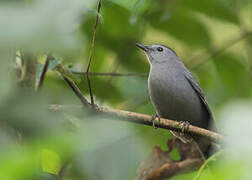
x=177, y=101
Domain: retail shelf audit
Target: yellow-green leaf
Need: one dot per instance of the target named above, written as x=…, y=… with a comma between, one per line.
x=50, y=161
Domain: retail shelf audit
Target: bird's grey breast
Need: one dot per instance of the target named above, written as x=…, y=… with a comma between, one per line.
x=173, y=97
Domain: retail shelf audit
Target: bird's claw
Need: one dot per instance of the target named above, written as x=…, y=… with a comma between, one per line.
x=184, y=125
x=154, y=116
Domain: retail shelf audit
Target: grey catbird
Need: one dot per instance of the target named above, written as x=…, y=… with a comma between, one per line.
x=175, y=93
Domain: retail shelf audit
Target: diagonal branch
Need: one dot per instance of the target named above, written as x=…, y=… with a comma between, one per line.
x=44, y=70
x=91, y=51
x=76, y=90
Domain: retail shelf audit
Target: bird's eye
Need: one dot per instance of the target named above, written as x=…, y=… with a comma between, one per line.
x=160, y=49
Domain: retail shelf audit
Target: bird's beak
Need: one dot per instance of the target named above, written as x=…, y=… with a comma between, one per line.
x=143, y=47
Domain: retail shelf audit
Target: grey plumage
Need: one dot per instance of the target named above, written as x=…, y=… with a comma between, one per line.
x=174, y=92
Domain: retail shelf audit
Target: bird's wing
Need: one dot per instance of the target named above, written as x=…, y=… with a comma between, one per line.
x=197, y=89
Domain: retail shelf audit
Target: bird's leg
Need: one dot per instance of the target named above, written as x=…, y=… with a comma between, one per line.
x=184, y=126
x=154, y=116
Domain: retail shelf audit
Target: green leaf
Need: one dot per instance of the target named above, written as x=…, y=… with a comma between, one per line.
x=226, y=65
x=48, y=25
x=135, y=6
x=214, y=8
x=129, y=4
x=175, y=154
x=181, y=24
x=50, y=161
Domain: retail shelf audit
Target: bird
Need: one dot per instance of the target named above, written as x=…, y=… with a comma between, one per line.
x=176, y=94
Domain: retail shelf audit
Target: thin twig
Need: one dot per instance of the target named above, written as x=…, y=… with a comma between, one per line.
x=44, y=70
x=203, y=166
x=202, y=58
x=110, y=74
x=91, y=51
x=76, y=90
x=90, y=91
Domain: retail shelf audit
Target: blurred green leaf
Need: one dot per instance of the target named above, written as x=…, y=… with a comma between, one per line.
x=111, y=142
x=175, y=155
x=226, y=65
x=50, y=161
x=135, y=6
x=181, y=24
x=40, y=25
x=224, y=10
x=18, y=163
x=5, y=81
x=129, y=4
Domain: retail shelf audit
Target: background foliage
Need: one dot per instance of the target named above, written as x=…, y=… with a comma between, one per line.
x=212, y=37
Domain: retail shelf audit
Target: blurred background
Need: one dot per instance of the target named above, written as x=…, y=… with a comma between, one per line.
x=212, y=37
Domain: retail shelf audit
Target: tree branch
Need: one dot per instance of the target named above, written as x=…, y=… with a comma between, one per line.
x=163, y=123
x=44, y=70
x=143, y=118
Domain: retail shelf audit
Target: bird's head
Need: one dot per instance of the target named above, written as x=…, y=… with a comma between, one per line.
x=157, y=53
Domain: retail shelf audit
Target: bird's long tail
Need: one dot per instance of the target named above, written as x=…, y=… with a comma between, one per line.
x=205, y=146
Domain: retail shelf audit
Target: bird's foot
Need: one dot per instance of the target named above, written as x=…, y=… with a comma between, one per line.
x=184, y=126
x=154, y=116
